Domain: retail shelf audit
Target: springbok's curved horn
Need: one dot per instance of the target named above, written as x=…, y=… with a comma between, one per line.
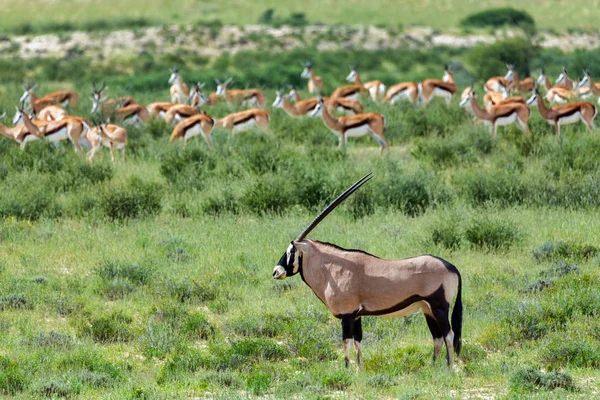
x=333, y=205
x=228, y=81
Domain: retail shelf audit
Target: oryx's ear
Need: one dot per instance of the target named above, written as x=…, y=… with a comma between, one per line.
x=301, y=245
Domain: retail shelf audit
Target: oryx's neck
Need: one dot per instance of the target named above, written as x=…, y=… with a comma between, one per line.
x=331, y=122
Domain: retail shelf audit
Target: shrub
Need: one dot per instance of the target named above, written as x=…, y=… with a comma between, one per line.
x=337, y=379
x=188, y=168
x=492, y=234
x=410, y=193
x=502, y=187
x=12, y=378
x=568, y=249
x=529, y=379
x=264, y=325
x=185, y=290
x=135, y=273
x=51, y=339
x=566, y=351
x=491, y=59
x=223, y=203
x=498, y=17
x=273, y=195
x=259, y=382
x=136, y=199
x=14, y=302
x=158, y=340
x=30, y=202
x=56, y=389
x=256, y=348
x=110, y=328
x=447, y=234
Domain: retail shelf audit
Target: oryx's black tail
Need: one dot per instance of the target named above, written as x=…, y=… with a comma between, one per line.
x=457, y=315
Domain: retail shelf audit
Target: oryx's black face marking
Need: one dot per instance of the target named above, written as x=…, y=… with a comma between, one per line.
x=289, y=264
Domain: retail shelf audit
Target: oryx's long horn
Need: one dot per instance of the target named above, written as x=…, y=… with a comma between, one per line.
x=333, y=205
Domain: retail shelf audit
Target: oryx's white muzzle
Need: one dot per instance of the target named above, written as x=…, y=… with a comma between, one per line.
x=279, y=272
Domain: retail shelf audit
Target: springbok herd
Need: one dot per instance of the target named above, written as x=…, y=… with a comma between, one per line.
x=46, y=117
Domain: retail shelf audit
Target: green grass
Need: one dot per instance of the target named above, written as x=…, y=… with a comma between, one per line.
x=153, y=279
x=557, y=15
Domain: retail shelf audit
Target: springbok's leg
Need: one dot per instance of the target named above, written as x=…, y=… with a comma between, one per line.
x=357, y=334
x=347, y=335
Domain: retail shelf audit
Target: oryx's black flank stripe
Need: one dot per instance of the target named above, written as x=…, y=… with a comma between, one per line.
x=435, y=300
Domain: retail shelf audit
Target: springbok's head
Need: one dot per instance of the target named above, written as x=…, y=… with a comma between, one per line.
x=585, y=80
x=197, y=98
x=174, y=75
x=511, y=72
x=222, y=86
x=293, y=91
x=352, y=75
x=307, y=69
x=97, y=96
x=18, y=118
x=532, y=101
x=290, y=262
x=278, y=103
x=448, y=74
x=563, y=76
x=318, y=110
x=541, y=79
x=467, y=96
x=28, y=90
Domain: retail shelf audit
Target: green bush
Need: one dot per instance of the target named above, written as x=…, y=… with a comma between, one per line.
x=492, y=234
x=12, y=378
x=108, y=328
x=531, y=379
x=501, y=187
x=447, y=234
x=15, y=302
x=268, y=195
x=187, y=168
x=30, y=202
x=491, y=59
x=259, y=382
x=133, y=200
x=409, y=193
x=51, y=339
x=498, y=17
x=565, y=249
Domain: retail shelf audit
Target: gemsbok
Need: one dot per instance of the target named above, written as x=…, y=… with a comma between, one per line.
x=354, y=284
x=353, y=125
x=62, y=97
x=107, y=135
x=244, y=97
x=315, y=83
x=193, y=126
x=501, y=115
x=375, y=88
x=179, y=90
x=244, y=120
x=445, y=88
x=565, y=114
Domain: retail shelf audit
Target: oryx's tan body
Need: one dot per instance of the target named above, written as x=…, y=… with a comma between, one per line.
x=350, y=282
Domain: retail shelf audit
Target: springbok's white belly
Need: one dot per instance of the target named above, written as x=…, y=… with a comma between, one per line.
x=244, y=125
x=58, y=135
x=405, y=312
x=586, y=96
x=193, y=131
x=571, y=119
x=30, y=138
x=250, y=102
x=343, y=110
x=399, y=96
x=178, y=118
x=441, y=92
x=358, y=131
x=509, y=119
x=162, y=114
x=353, y=96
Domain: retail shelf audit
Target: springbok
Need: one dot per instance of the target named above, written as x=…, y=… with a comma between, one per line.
x=339, y=104
x=244, y=120
x=444, y=88
x=353, y=125
x=402, y=90
x=244, y=97
x=63, y=97
x=107, y=135
x=492, y=99
x=180, y=112
x=353, y=284
x=555, y=94
x=495, y=83
x=524, y=86
x=315, y=83
x=193, y=126
x=564, y=80
x=135, y=114
x=565, y=114
x=376, y=88
x=72, y=128
x=160, y=109
x=587, y=87
x=501, y=115
x=107, y=107
x=179, y=90
x=19, y=133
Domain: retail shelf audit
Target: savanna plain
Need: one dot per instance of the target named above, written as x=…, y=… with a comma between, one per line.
x=152, y=278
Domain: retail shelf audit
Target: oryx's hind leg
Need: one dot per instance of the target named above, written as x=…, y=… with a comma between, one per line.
x=357, y=335
x=436, y=333
x=347, y=335
x=441, y=316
